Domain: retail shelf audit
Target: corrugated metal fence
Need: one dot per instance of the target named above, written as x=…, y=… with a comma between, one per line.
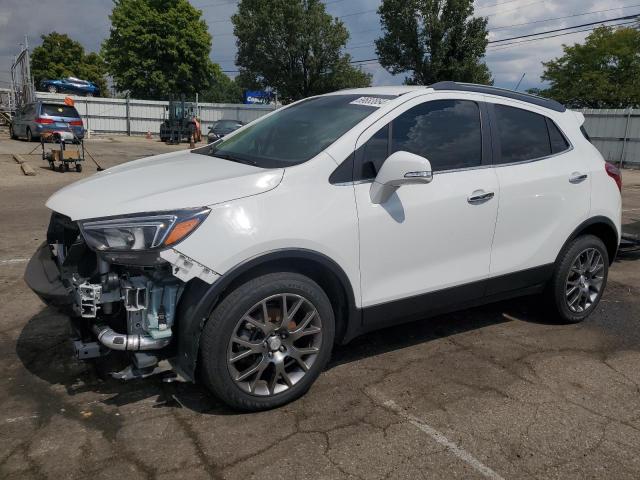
x=137, y=117
x=616, y=133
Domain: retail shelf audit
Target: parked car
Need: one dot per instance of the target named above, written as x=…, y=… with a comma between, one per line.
x=221, y=128
x=33, y=119
x=249, y=258
x=71, y=85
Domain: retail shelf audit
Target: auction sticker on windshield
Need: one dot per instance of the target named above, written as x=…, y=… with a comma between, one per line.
x=370, y=101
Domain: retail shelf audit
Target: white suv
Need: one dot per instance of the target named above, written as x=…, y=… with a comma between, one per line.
x=339, y=214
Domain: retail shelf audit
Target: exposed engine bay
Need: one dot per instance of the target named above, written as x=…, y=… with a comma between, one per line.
x=126, y=304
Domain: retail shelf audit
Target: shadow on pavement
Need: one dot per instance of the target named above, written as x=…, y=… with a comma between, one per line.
x=44, y=349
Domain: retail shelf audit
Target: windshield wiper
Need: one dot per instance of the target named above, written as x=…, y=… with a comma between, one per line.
x=226, y=156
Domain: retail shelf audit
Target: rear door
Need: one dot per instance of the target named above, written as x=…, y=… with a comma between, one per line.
x=544, y=193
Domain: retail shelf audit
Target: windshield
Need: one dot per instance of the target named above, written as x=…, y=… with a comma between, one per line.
x=295, y=134
x=224, y=124
x=55, y=110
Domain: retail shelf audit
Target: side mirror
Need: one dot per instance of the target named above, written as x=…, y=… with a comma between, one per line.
x=400, y=168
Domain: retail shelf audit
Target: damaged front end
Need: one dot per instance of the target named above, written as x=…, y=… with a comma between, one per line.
x=119, y=292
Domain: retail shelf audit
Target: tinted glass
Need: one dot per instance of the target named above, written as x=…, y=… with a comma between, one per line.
x=295, y=134
x=558, y=141
x=57, y=110
x=446, y=132
x=523, y=134
x=375, y=152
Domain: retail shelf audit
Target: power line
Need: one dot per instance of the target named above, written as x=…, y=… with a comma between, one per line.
x=504, y=27
x=515, y=44
x=627, y=17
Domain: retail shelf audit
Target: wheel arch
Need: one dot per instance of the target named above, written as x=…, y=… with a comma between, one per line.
x=199, y=298
x=601, y=227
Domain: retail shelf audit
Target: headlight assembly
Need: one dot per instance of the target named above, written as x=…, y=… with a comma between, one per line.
x=145, y=231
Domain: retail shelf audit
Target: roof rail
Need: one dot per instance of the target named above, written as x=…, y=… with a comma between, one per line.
x=502, y=92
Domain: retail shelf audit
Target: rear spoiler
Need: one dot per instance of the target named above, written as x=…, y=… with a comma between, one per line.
x=579, y=117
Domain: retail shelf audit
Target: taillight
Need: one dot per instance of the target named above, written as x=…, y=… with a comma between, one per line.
x=614, y=172
x=76, y=123
x=43, y=121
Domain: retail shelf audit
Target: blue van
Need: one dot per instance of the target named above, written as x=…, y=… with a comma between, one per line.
x=33, y=119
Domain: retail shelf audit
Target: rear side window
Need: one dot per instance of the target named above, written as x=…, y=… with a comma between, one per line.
x=56, y=110
x=523, y=134
x=446, y=132
x=526, y=135
x=558, y=142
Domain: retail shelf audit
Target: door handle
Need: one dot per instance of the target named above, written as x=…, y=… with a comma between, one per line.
x=577, y=177
x=479, y=196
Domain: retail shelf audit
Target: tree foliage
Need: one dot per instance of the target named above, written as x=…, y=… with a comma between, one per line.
x=604, y=72
x=158, y=48
x=434, y=40
x=59, y=56
x=223, y=89
x=294, y=47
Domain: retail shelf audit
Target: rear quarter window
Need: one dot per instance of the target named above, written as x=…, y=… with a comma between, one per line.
x=56, y=110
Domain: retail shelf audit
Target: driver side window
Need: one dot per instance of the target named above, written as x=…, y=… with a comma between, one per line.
x=446, y=132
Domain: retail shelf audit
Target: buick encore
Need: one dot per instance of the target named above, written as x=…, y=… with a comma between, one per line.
x=242, y=263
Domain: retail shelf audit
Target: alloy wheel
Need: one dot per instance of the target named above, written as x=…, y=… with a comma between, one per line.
x=584, y=281
x=274, y=344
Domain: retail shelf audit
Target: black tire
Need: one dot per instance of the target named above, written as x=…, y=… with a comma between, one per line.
x=67, y=167
x=558, y=288
x=29, y=135
x=223, y=323
x=78, y=167
x=11, y=133
x=61, y=168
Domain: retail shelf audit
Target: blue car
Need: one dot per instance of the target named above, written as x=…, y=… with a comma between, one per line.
x=71, y=85
x=34, y=119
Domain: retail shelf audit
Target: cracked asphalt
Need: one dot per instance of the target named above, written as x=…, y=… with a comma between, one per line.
x=492, y=392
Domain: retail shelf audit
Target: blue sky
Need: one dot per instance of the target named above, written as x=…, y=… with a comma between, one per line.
x=87, y=21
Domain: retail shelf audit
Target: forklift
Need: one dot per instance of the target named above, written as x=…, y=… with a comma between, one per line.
x=182, y=123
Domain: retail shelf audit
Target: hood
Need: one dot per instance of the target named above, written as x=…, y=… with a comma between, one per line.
x=163, y=182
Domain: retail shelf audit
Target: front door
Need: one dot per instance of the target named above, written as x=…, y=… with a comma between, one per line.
x=429, y=245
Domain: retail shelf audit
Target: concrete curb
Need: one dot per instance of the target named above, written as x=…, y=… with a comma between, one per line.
x=27, y=169
x=18, y=158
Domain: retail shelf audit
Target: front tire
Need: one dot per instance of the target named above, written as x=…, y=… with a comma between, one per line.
x=579, y=279
x=29, y=135
x=267, y=341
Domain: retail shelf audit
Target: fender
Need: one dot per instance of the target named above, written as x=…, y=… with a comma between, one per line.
x=594, y=222
x=199, y=299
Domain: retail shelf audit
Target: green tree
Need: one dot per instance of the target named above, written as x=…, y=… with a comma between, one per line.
x=434, y=40
x=59, y=56
x=294, y=47
x=604, y=72
x=158, y=48
x=223, y=89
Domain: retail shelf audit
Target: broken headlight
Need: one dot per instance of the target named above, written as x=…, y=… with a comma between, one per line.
x=145, y=231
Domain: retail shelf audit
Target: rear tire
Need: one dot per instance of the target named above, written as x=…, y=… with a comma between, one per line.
x=284, y=371
x=579, y=279
x=29, y=135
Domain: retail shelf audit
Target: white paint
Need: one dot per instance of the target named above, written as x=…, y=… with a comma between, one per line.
x=455, y=449
x=13, y=260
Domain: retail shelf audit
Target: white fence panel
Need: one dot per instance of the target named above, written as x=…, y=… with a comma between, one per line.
x=137, y=117
x=615, y=133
